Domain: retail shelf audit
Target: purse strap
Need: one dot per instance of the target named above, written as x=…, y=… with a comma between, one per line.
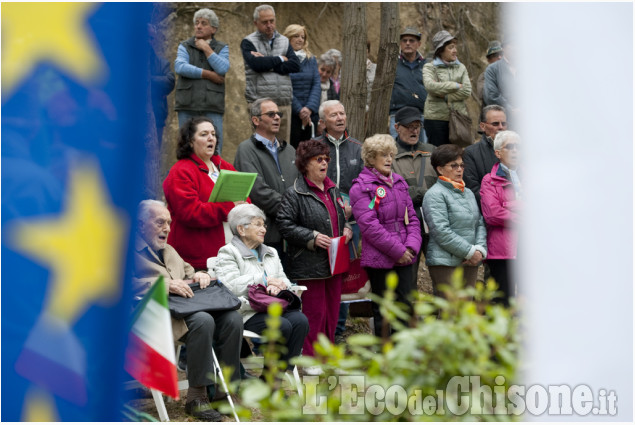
x=423, y=169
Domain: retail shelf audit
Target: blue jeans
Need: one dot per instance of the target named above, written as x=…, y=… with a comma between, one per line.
x=422, y=135
x=217, y=119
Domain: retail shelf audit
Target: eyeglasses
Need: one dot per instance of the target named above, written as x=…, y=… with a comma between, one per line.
x=412, y=127
x=263, y=225
x=271, y=114
x=321, y=159
x=512, y=147
x=455, y=165
x=498, y=123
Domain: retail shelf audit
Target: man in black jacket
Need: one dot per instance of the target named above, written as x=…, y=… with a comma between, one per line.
x=479, y=158
x=273, y=160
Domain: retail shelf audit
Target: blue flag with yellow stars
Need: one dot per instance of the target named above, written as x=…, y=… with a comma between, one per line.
x=74, y=113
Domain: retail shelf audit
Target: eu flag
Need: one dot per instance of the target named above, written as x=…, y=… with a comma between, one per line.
x=74, y=118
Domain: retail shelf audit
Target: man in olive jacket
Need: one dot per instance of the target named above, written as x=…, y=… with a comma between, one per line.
x=412, y=161
x=273, y=160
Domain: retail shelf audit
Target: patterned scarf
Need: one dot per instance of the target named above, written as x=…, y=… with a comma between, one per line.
x=457, y=185
x=386, y=179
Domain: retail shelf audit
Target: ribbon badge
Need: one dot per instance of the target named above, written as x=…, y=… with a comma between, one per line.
x=380, y=194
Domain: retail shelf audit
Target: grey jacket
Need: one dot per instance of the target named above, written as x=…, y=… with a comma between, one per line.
x=346, y=161
x=268, y=76
x=456, y=226
x=253, y=156
x=498, y=82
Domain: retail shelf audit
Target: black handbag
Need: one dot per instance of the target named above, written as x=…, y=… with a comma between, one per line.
x=216, y=297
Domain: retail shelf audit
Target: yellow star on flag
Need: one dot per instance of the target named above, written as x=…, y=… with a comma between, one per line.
x=55, y=32
x=83, y=246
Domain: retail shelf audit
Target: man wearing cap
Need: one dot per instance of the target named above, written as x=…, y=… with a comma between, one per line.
x=479, y=158
x=499, y=81
x=412, y=161
x=494, y=53
x=408, y=89
x=201, y=63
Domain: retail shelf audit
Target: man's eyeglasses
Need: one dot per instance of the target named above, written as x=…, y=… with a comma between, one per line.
x=321, y=159
x=498, y=123
x=412, y=127
x=271, y=114
x=455, y=166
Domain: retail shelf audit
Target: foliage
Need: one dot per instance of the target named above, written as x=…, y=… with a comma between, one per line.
x=461, y=335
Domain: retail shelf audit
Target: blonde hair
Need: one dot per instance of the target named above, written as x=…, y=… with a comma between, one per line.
x=379, y=143
x=294, y=30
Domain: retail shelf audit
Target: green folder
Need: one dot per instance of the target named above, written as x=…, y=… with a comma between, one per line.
x=232, y=186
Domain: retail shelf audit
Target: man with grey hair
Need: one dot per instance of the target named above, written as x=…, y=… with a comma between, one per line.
x=269, y=59
x=153, y=258
x=346, y=164
x=201, y=63
x=274, y=162
x=479, y=158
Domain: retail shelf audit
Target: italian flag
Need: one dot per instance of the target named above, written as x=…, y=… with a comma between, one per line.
x=150, y=355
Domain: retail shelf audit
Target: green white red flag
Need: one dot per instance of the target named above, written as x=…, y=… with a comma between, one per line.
x=150, y=355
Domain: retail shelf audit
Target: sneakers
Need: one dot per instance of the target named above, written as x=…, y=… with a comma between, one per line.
x=201, y=409
x=313, y=370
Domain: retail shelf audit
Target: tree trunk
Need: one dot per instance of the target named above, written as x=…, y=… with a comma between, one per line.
x=386, y=68
x=353, y=85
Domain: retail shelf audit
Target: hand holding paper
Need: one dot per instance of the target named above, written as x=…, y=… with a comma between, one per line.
x=338, y=255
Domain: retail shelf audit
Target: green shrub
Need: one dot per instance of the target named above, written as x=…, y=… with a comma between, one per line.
x=461, y=335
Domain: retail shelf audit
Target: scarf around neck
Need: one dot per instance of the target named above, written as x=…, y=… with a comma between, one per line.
x=386, y=179
x=456, y=185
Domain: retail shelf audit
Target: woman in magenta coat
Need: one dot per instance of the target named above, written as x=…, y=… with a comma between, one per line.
x=391, y=233
x=500, y=203
x=197, y=225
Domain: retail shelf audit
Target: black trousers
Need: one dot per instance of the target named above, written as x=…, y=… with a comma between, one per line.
x=438, y=131
x=501, y=272
x=294, y=327
x=407, y=283
x=225, y=331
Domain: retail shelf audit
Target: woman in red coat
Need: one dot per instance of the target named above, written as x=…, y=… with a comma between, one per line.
x=197, y=225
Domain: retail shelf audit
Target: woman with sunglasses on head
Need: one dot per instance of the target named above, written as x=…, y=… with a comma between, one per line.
x=391, y=233
x=500, y=202
x=311, y=214
x=457, y=230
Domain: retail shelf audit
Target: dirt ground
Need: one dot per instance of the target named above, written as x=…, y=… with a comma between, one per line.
x=142, y=400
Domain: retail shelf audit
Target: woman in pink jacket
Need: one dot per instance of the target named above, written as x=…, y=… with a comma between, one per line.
x=391, y=234
x=500, y=202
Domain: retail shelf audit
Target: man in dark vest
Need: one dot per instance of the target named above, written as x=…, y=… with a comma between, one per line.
x=201, y=63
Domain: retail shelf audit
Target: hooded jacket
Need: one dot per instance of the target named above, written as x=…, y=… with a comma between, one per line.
x=501, y=213
x=386, y=234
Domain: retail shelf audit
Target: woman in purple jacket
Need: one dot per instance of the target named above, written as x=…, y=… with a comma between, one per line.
x=500, y=202
x=391, y=233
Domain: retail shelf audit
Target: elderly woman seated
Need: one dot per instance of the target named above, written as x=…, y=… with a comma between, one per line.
x=247, y=261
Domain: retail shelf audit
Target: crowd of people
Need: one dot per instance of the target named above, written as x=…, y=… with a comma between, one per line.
x=407, y=196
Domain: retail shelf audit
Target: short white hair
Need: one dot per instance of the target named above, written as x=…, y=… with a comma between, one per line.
x=143, y=210
x=327, y=104
x=241, y=215
x=503, y=137
x=262, y=8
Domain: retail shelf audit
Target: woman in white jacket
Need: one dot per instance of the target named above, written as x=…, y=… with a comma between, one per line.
x=247, y=261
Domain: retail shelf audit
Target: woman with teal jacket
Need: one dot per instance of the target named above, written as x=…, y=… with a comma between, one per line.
x=457, y=230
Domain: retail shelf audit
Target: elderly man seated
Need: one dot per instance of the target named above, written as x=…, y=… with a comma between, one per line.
x=154, y=257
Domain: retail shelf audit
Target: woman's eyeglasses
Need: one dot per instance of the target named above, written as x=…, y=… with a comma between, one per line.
x=455, y=166
x=271, y=114
x=321, y=159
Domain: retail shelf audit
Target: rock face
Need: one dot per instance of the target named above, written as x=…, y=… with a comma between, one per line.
x=474, y=24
